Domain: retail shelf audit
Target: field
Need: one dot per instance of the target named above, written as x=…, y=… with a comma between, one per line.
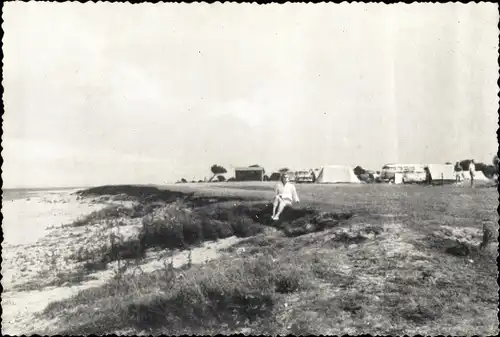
x=349, y=259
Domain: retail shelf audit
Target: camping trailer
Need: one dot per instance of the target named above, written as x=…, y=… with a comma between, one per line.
x=304, y=176
x=403, y=173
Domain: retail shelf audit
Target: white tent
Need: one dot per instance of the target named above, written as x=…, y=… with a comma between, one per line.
x=441, y=172
x=337, y=174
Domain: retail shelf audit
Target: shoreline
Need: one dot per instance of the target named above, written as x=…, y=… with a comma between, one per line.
x=28, y=225
x=50, y=243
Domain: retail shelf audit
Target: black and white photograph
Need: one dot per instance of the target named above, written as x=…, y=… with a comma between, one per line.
x=235, y=168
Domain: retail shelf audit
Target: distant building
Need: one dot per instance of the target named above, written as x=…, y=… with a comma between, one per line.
x=249, y=174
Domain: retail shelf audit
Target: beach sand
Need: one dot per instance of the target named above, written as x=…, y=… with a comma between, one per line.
x=38, y=249
x=26, y=222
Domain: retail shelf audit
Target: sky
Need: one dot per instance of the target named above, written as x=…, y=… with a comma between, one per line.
x=108, y=93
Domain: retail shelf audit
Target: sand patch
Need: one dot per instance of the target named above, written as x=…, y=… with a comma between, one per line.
x=199, y=255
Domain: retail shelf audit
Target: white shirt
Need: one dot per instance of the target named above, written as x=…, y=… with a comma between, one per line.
x=287, y=191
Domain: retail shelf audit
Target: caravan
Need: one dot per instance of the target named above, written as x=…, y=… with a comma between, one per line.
x=403, y=173
x=304, y=176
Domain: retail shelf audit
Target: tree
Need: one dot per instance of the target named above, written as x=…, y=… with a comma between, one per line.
x=217, y=169
x=490, y=171
x=366, y=177
x=284, y=170
x=482, y=167
x=448, y=163
x=465, y=164
x=183, y=181
x=221, y=178
x=496, y=162
x=358, y=170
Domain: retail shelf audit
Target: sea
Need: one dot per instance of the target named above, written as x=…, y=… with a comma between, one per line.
x=9, y=194
x=29, y=212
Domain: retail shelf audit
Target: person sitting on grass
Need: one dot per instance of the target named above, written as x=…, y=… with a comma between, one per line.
x=285, y=196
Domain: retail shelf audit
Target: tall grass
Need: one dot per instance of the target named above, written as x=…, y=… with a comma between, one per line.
x=227, y=295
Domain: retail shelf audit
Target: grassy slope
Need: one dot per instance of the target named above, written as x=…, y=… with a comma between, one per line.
x=386, y=271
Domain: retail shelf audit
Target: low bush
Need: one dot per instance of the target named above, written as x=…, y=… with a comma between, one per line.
x=245, y=227
x=109, y=212
x=214, y=229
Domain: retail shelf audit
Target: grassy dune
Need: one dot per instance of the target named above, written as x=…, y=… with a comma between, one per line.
x=350, y=259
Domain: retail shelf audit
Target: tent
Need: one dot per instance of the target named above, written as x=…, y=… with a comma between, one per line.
x=337, y=174
x=441, y=173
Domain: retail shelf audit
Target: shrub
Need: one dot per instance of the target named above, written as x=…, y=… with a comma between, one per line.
x=109, y=212
x=163, y=232
x=245, y=227
x=125, y=249
x=175, y=226
x=289, y=282
x=192, y=231
x=215, y=229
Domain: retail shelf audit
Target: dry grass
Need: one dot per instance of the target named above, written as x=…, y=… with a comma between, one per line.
x=384, y=261
x=226, y=295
